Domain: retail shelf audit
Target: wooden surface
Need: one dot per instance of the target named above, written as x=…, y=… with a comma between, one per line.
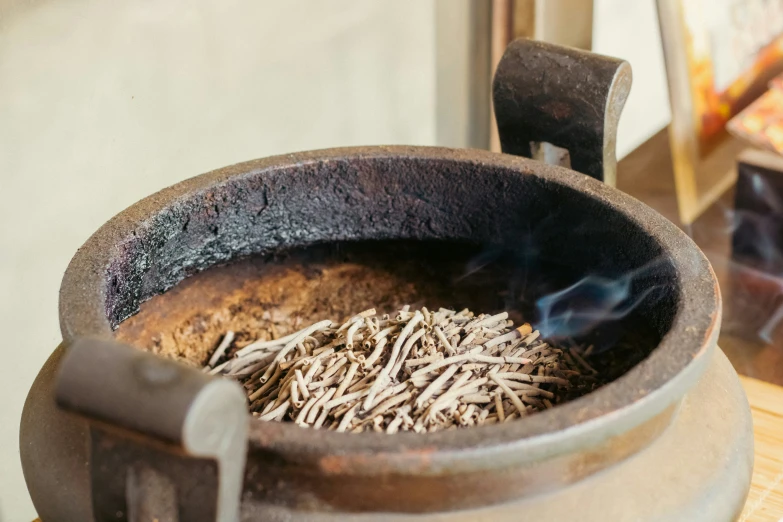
x=765, y=501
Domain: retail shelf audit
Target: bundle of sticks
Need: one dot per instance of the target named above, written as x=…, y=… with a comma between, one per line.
x=417, y=370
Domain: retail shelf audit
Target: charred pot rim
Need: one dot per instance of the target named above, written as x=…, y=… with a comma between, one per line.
x=397, y=192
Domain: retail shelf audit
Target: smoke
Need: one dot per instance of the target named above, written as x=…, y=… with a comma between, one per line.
x=569, y=311
x=744, y=245
x=594, y=300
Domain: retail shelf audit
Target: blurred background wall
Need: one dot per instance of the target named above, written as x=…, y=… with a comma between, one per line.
x=628, y=29
x=103, y=103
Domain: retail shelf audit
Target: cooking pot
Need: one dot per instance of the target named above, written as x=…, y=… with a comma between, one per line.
x=111, y=432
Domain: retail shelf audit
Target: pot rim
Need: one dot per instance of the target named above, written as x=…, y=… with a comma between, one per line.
x=643, y=392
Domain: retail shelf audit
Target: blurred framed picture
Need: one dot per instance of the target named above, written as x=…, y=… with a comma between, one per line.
x=720, y=55
x=761, y=123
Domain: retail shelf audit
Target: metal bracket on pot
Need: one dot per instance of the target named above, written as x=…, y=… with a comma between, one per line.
x=545, y=93
x=168, y=443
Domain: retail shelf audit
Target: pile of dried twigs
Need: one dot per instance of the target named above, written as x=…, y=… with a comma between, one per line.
x=419, y=370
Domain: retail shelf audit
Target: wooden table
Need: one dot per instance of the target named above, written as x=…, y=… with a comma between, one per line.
x=765, y=501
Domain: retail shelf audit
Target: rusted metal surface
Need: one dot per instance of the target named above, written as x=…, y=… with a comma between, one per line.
x=567, y=97
x=564, y=224
x=402, y=192
x=53, y=446
x=153, y=420
x=131, y=478
x=423, y=194
x=428, y=480
x=698, y=470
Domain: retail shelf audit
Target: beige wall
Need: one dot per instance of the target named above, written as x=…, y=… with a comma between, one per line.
x=102, y=103
x=628, y=29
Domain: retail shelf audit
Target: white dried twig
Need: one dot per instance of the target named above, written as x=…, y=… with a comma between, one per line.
x=418, y=370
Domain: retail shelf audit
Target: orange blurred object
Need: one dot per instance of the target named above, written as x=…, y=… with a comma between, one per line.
x=761, y=123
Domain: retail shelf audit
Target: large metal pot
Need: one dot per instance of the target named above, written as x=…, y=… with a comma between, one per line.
x=147, y=437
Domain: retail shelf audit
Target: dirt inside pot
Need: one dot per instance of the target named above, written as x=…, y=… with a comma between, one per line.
x=266, y=297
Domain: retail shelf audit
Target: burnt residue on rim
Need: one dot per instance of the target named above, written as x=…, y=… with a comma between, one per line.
x=401, y=192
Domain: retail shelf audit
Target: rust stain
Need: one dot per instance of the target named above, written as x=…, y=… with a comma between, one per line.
x=414, y=460
x=560, y=110
x=713, y=318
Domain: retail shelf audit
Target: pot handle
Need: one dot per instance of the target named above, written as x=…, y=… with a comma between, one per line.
x=167, y=442
x=546, y=93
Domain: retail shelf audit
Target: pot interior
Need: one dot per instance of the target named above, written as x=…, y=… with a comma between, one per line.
x=329, y=233
x=267, y=296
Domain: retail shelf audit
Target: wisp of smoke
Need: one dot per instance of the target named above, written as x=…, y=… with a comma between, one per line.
x=578, y=309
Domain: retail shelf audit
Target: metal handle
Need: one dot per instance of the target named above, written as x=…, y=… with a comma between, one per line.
x=168, y=442
x=567, y=97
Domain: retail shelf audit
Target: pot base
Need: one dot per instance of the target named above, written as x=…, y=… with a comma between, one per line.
x=698, y=470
